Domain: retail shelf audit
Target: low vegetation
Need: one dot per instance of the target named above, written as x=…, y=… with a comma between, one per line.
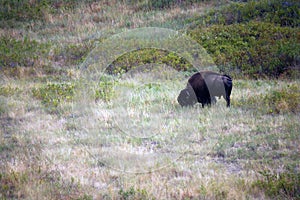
x=253, y=49
x=123, y=135
x=274, y=101
x=133, y=59
x=53, y=95
x=282, y=13
x=22, y=53
x=253, y=39
x=282, y=185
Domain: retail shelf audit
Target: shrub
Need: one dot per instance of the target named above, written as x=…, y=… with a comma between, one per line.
x=132, y=193
x=105, y=89
x=7, y=90
x=23, y=10
x=3, y=105
x=24, y=53
x=253, y=38
x=284, y=100
x=280, y=185
x=281, y=12
x=254, y=49
x=137, y=58
x=10, y=183
x=53, y=94
x=72, y=54
x=15, y=12
x=274, y=102
x=159, y=4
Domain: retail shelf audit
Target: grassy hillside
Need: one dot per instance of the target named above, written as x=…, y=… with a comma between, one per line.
x=256, y=39
x=252, y=39
x=70, y=131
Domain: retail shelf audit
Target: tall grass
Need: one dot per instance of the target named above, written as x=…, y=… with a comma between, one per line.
x=117, y=145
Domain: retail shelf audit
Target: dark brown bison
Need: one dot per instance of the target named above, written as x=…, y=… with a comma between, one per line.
x=203, y=87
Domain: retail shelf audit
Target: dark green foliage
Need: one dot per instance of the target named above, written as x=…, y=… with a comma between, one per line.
x=85, y=197
x=138, y=58
x=24, y=53
x=252, y=39
x=105, y=89
x=12, y=12
x=7, y=90
x=53, y=94
x=10, y=182
x=132, y=193
x=245, y=40
x=275, y=101
x=281, y=12
x=254, y=49
x=13, y=182
x=284, y=100
x=3, y=105
x=72, y=54
x=279, y=185
x=160, y=4
x=17, y=10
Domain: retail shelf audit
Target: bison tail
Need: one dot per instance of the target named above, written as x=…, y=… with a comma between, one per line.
x=228, y=77
x=227, y=81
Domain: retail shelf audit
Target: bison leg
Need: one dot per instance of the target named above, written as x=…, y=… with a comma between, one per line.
x=228, y=101
x=209, y=100
x=206, y=101
x=213, y=100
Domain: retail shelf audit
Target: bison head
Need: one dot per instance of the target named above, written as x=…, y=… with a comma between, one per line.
x=187, y=97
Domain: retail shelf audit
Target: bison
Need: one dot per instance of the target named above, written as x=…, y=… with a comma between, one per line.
x=203, y=87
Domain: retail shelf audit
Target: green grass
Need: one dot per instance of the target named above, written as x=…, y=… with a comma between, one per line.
x=204, y=153
x=253, y=38
x=274, y=100
x=54, y=95
x=28, y=51
x=253, y=49
x=284, y=13
x=284, y=184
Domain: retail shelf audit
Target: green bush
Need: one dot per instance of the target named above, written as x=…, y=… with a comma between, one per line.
x=15, y=12
x=53, y=94
x=23, y=10
x=7, y=90
x=254, y=49
x=3, y=105
x=281, y=12
x=284, y=100
x=10, y=183
x=146, y=5
x=15, y=184
x=137, y=58
x=105, y=89
x=72, y=54
x=252, y=38
x=282, y=185
x=24, y=53
x=132, y=193
x=274, y=102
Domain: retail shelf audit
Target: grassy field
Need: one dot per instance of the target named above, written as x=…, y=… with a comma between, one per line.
x=124, y=136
